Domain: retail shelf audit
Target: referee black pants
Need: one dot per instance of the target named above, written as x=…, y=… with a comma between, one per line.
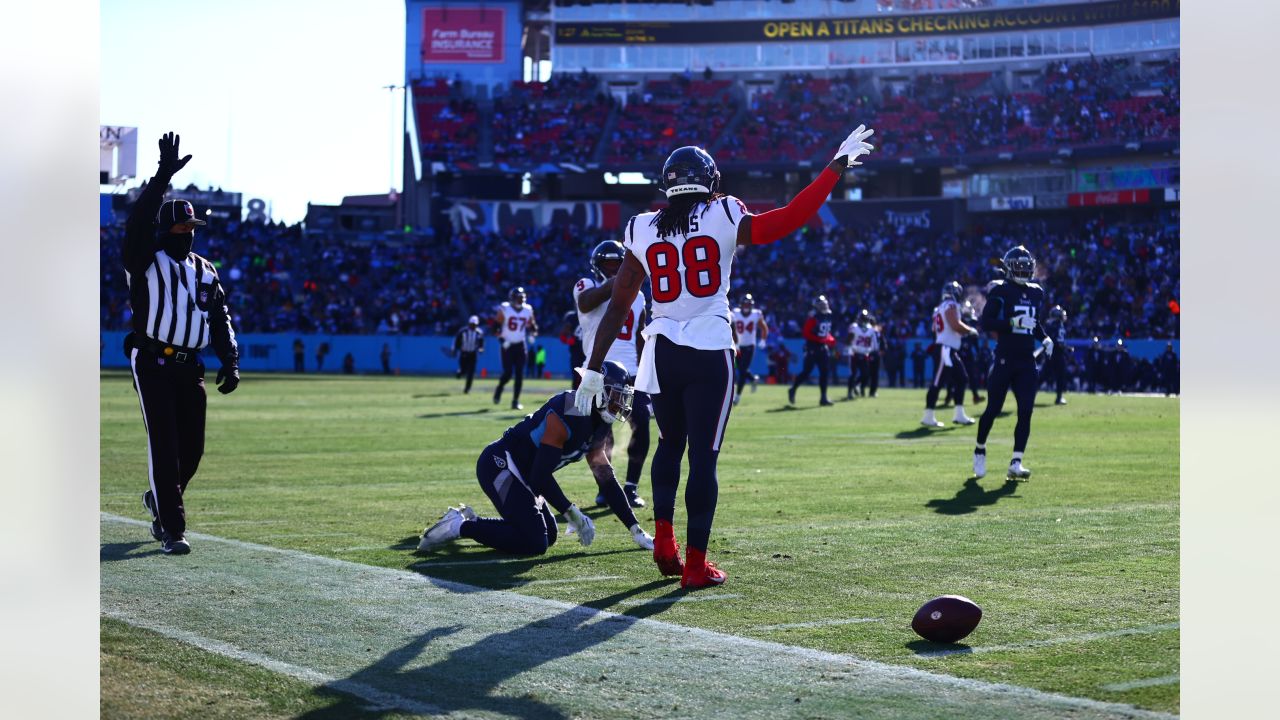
x=467, y=368
x=173, y=402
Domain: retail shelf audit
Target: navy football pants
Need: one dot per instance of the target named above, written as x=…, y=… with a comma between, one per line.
x=1021, y=377
x=692, y=410
x=527, y=525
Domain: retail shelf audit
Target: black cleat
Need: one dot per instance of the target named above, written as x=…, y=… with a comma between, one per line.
x=176, y=546
x=148, y=502
x=825, y=403
x=791, y=396
x=517, y=406
x=633, y=496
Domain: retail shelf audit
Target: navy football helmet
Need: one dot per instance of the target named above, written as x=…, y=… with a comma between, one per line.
x=748, y=303
x=866, y=319
x=516, y=296
x=1020, y=264
x=952, y=291
x=689, y=169
x=618, y=393
x=821, y=305
x=607, y=251
x=1057, y=313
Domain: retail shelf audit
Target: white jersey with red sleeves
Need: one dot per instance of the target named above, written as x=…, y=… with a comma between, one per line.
x=943, y=332
x=865, y=340
x=514, y=323
x=623, y=349
x=689, y=279
x=747, y=325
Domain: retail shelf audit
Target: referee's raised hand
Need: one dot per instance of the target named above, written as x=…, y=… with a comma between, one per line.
x=169, y=162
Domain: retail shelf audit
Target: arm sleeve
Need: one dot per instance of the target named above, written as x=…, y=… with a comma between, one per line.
x=139, y=231
x=992, y=319
x=543, y=481
x=776, y=224
x=808, y=330
x=221, y=334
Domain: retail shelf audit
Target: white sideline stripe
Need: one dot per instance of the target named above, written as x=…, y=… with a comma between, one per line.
x=817, y=623
x=1135, y=684
x=564, y=581
x=383, y=699
x=907, y=675
x=1088, y=637
x=310, y=535
x=682, y=599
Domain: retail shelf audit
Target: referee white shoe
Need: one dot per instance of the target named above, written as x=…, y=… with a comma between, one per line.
x=443, y=532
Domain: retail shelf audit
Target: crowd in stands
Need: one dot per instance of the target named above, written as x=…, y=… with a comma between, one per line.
x=571, y=117
x=557, y=121
x=1116, y=277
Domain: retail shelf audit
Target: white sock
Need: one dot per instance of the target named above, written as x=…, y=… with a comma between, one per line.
x=959, y=411
x=982, y=446
x=928, y=416
x=1017, y=457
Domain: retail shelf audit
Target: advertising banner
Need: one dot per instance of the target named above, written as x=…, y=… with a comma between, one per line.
x=1123, y=197
x=1016, y=202
x=1010, y=19
x=463, y=35
x=901, y=215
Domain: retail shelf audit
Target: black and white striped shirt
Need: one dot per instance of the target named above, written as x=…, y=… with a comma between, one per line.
x=469, y=339
x=175, y=295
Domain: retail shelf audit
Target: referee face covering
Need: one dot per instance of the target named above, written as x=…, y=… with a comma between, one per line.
x=176, y=227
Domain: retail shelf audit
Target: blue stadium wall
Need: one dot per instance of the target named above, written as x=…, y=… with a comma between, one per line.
x=425, y=354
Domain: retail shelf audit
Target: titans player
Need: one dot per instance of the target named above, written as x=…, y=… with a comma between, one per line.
x=516, y=472
x=818, y=342
x=1056, y=365
x=1011, y=313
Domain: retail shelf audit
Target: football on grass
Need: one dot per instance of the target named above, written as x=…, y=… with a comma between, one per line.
x=946, y=619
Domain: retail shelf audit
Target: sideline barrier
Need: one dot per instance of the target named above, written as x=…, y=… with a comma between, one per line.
x=427, y=354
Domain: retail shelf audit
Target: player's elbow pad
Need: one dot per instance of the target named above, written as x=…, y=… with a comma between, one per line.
x=776, y=224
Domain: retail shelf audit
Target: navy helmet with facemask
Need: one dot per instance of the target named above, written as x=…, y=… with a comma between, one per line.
x=1020, y=265
x=618, y=393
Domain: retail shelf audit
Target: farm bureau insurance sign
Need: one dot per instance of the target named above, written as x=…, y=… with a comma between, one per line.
x=1038, y=17
x=462, y=35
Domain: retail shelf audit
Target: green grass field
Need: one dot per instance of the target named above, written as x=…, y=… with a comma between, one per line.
x=834, y=525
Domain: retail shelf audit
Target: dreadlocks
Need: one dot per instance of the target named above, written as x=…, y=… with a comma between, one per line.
x=674, y=218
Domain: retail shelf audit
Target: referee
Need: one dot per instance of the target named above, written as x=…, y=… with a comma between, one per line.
x=179, y=308
x=467, y=344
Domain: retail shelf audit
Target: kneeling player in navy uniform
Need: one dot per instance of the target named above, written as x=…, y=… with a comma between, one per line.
x=516, y=472
x=1010, y=313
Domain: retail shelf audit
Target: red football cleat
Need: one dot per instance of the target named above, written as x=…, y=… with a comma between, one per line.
x=666, y=551
x=698, y=573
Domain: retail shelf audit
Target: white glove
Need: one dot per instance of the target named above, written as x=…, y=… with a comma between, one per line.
x=760, y=345
x=1048, y=347
x=581, y=524
x=1026, y=322
x=642, y=538
x=590, y=391
x=855, y=145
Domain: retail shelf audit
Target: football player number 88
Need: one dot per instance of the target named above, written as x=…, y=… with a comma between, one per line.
x=701, y=255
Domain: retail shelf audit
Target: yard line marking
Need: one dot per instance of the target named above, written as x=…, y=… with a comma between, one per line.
x=468, y=650
x=682, y=599
x=309, y=535
x=1088, y=637
x=383, y=699
x=817, y=623
x=1149, y=682
x=563, y=581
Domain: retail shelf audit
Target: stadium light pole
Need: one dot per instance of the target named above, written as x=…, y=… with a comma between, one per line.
x=395, y=139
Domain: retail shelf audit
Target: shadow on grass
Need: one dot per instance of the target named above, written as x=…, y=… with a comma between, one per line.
x=926, y=648
x=793, y=408
x=111, y=552
x=970, y=497
x=922, y=432
x=419, y=396
x=470, y=679
x=458, y=413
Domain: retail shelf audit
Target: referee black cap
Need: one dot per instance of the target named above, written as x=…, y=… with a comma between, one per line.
x=173, y=212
